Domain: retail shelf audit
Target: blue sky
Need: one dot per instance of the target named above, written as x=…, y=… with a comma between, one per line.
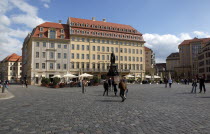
x=164, y=23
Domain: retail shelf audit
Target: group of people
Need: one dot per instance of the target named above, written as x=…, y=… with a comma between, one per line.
x=111, y=84
x=4, y=84
x=168, y=82
x=201, y=81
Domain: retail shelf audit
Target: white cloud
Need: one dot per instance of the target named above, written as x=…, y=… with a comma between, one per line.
x=201, y=34
x=29, y=21
x=163, y=45
x=11, y=38
x=46, y=5
x=47, y=1
x=4, y=20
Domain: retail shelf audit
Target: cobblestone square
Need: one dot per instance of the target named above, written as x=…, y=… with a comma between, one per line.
x=148, y=109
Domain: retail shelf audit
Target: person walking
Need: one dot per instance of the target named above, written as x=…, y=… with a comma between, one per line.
x=122, y=87
x=83, y=86
x=166, y=82
x=26, y=83
x=115, y=88
x=194, y=85
x=110, y=83
x=22, y=82
x=106, y=88
x=170, y=82
x=202, y=84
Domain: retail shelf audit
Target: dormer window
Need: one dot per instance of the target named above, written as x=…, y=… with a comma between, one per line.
x=62, y=31
x=83, y=32
x=92, y=26
x=88, y=32
x=98, y=34
x=40, y=35
x=78, y=24
x=41, y=29
x=95, y=26
x=83, y=25
x=52, y=34
x=62, y=36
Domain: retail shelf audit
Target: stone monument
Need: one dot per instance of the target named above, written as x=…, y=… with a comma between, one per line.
x=113, y=73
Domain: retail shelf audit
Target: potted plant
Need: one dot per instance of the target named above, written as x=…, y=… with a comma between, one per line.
x=56, y=80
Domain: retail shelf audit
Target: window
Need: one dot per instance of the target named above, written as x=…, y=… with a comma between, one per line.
x=64, y=66
x=116, y=57
x=103, y=57
x=73, y=39
x=10, y=68
x=98, y=57
x=37, y=65
x=65, y=55
x=94, y=66
x=41, y=29
x=59, y=45
x=107, y=49
x=133, y=51
x=125, y=50
x=129, y=58
x=40, y=35
x=83, y=56
x=121, y=58
x=77, y=64
x=52, y=34
x=140, y=59
x=94, y=40
x=52, y=45
x=129, y=50
x=62, y=36
x=83, y=65
x=93, y=56
x=133, y=58
x=51, y=65
x=137, y=51
x=65, y=46
x=78, y=39
x=103, y=41
x=72, y=46
x=116, y=50
x=43, y=65
x=107, y=41
x=51, y=55
x=87, y=56
x=112, y=49
x=103, y=49
x=88, y=65
x=44, y=44
x=72, y=65
x=62, y=31
x=107, y=57
x=59, y=55
x=94, y=48
x=77, y=56
x=72, y=55
x=137, y=58
x=43, y=54
x=58, y=66
x=37, y=54
x=77, y=47
x=37, y=44
x=88, y=48
x=83, y=47
x=121, y=50
x=98, y=40
x=83, y=39
x=98, y=48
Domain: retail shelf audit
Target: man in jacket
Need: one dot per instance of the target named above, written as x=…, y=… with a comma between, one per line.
x=122, y=87
x=106, y=87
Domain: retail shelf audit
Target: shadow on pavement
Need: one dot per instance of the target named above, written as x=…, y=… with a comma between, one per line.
x=109, y=100
x=204, y=97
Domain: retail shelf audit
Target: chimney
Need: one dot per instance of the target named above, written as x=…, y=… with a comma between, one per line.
x=93, y=18
x=60, y=21
x=104, y=20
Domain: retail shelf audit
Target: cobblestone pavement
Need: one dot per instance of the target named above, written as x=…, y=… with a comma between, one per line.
x=148, y=109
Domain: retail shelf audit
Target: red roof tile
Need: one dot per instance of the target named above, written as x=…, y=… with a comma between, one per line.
x=147, y=49
x=187, y=42
x=13, y=57
x=102, y=23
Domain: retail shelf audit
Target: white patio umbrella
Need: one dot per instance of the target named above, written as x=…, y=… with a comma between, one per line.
x=85, y=75
x=138, y=76
x=70, y=76
x=148, y=77
x=56, y=76
x=157, y=77
x=129, y=76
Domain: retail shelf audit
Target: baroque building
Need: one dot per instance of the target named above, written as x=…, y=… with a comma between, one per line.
x=149, y=61
x=82, y=46
x=11, y=68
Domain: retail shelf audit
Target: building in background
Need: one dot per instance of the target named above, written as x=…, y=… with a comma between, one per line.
x=204, y=61
x=188, y=52
x=161, y=70
x=82, y=46
x=11, y=68
x=172, y=62
x=149, y=61
x=46, y=52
